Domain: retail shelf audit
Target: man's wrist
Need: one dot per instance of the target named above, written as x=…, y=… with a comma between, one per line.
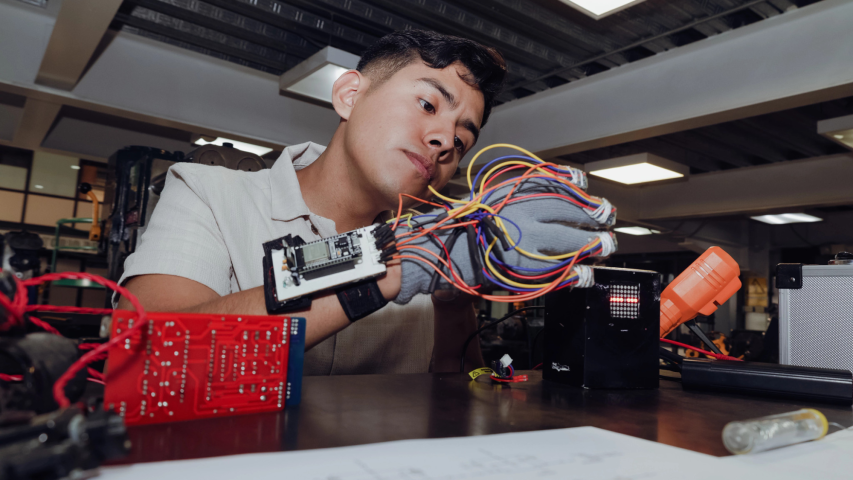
x=389, y=284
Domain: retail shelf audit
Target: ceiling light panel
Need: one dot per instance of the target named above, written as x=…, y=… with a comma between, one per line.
x=635, y=169
x=785, y=218
x=639, y=173
x=312, y=80
x=600, y=8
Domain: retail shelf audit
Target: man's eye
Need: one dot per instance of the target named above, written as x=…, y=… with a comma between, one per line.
x=427, y=106
x=458, y=144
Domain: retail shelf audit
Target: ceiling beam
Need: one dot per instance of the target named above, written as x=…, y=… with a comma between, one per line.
x=78, y=30
x=788, y=61
x=158, y=83
x=35, y=123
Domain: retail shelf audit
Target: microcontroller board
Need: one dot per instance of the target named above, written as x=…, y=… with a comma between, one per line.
x=300, y=269
x=186, y=366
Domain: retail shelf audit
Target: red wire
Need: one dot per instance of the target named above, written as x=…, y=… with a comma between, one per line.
x=95, y=374
x=44, y=325
x=501, y=172
x=11, y=378
x=537, y=366
x=97, y=353
x=88, y=346
x=704, y=352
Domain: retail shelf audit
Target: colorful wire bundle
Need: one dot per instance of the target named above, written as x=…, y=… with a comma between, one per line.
x=487, y=221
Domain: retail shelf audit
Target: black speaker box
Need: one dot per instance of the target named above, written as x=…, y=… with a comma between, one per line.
x=605, y=336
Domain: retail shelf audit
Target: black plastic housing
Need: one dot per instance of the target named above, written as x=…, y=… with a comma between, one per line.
x=590, y=344
x=769, y=380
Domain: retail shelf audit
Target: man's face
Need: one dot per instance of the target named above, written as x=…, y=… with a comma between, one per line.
x=411, y=131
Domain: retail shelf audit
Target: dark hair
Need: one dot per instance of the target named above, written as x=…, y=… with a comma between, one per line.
x=396, y=50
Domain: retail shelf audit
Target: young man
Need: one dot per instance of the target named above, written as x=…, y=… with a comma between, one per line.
x=409, y=113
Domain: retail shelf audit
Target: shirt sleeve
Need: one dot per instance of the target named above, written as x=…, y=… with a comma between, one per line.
x=183, y=237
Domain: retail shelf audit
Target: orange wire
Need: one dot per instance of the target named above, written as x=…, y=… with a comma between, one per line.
x=459, y=283
x=421, y=200
x=494, y=298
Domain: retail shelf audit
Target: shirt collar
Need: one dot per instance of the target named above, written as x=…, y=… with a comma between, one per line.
x=287, y=201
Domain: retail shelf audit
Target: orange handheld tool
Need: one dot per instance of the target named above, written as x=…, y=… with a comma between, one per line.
x=705, y=285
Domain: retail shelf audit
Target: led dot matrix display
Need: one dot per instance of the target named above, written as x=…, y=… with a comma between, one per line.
x=625, y=300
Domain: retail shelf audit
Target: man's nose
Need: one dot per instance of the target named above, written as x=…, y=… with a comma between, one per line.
x=441, y=141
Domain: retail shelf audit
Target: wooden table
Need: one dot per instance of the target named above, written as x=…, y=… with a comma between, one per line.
x=353, y=410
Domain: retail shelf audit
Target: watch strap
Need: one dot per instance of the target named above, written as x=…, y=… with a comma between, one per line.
x=360, y=299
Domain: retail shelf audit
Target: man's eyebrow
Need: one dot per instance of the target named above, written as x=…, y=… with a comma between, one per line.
x=443, y=91
x=469, y=125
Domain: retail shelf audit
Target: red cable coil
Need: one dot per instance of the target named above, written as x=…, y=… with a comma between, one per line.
x=17, y=308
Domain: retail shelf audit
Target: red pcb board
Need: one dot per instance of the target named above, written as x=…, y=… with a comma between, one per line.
x=183, y=366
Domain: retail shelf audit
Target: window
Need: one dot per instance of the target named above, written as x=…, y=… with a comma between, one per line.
x=39, y=188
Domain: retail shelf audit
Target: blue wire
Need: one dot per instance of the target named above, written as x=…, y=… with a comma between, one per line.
x=480, y=215
x=522, y=157
x=517, y=289
x=562, y=264
x=507, y=157
x=555, y=181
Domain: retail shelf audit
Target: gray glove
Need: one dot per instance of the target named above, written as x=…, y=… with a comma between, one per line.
x=548, y=228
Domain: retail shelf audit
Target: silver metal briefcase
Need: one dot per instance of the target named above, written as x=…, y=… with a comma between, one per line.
x=816, y=315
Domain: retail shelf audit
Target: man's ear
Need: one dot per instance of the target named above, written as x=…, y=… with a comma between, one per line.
x=346, y=90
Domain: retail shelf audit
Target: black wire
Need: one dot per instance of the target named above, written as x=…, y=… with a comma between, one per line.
x=448, y=247
x=491, y=324
x=691, y=324
x=474, y=253
x=669, y=356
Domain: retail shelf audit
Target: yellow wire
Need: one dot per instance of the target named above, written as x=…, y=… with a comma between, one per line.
x=514, y=283
x=496, y=145
x=472, y=205
x=407, y=216
x=571, y=185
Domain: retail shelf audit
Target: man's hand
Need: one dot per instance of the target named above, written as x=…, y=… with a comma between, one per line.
x=169, y=293
x=540, y=224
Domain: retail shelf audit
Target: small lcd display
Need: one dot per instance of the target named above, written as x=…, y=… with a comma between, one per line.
x=624, y=300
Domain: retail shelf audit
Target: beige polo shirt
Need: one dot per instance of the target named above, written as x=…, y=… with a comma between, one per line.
x=209, y=226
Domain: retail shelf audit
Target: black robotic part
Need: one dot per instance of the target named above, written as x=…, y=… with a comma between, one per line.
x=61, y=444
x=40, y=358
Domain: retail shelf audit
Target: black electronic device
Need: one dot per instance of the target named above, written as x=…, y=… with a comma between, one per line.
x=605, y=336
x=66, y=443
x=765, y=379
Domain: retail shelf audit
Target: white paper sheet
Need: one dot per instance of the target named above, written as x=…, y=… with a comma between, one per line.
x=585, y=453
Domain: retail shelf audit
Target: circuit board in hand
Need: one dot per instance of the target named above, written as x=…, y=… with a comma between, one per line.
x=188, y=366
x=300, y=270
